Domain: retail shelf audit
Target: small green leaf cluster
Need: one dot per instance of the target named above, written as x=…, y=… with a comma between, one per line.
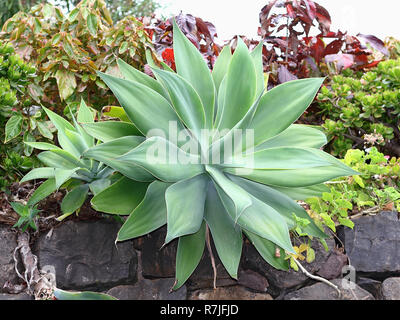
x=27, y=216
x=363, y=109
x=374, y=190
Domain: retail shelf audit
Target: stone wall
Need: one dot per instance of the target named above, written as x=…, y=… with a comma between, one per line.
x=83, y=256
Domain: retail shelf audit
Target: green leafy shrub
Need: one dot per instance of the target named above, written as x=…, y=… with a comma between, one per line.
x=363, y=109
x=374, y=190
x=27, y=216
x=67, y=50
x=18, y=119
x=230, y=197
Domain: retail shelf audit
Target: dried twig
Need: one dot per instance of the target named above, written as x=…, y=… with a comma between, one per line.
x=318, y=278
x=211, y=256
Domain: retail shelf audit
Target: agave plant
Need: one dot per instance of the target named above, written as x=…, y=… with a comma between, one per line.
x=66, y=167
x=250, y=191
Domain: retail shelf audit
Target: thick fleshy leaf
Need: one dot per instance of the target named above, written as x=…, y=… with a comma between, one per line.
x=61, y=124
x=241, y=87
x=257, y=56
x=185, y=206
x=267, y=250
x=239, y=197
x=108, y=153
x=62, y=175
x=260, y=219
x=221, y=66
x=87, y=295
x=281, y=203
x=59, y=159
x=164, y=160
x=38, y=173
x=191, y=65
x=84, y=113
x=305, y=192
x=41, y=145
x=188, y=255
x=279, y=158
x=121, y=197
x=185, y=100
x=294, y=178
x=74, y=199
x=109, y=130
x=130, y=73
x=296, y=136
x=282, y=106
x=77, y=140
x=44, y=190
x=149, y=215
x=146, y=108
x=226, y=235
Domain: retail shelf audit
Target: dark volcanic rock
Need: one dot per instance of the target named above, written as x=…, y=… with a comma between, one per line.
x=149, y=290
x=158, y=261
x=278, y=280
x=321, y=291
x=253, y=280
x=373, y=246
x=228, y=293
x=372, y=286
x=333, y=266
x=8, y=241
x=84, y=255
x=391, y=289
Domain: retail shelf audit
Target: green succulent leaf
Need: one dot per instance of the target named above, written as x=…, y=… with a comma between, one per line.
x=227, y=235
x=286, y=102
x=38, y=173
x=120, y=198
x=42, y=145
x=240, y=91
x=44, y=190
x=62, y=175
x=135, y=75
x=267, y=250
x=260, y=219
x=191, y=65
x=62, y=125
x=87, y=295
x=296, y=136
x=149, y=215
x=257, y=56
x=189, y=253
x=304, y=193
x=74, y=199
x=109, y=130
x=186, y=196
x=161, y=158
x=281, y=203
x=109, y=152
x=221, y=66
x=84, y=113
x=146, y=108
x=185, y=100
x=279, y=158
x=239, y=197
